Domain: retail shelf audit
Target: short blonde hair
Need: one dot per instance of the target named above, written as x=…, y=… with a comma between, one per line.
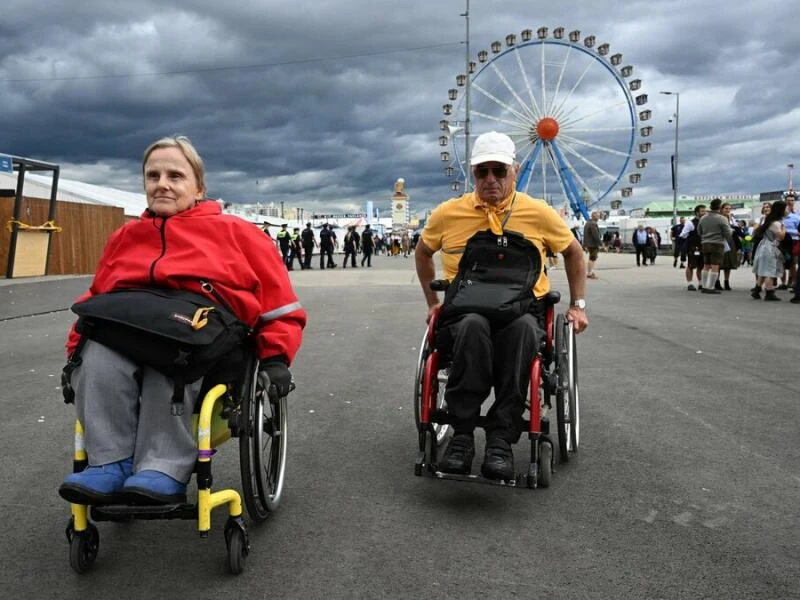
x=184, y=144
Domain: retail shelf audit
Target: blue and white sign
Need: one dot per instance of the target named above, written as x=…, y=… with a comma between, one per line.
x=6, y=166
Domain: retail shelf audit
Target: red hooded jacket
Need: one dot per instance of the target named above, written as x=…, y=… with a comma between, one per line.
x=202, y=244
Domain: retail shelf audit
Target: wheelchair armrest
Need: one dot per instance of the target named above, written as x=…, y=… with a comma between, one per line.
x=439, y=285
x=552, y=297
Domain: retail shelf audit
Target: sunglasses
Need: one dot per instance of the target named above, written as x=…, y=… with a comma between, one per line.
x=498, y=172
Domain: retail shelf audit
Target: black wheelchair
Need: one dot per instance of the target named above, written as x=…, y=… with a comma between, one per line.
x=243, y=409
x=554, y=373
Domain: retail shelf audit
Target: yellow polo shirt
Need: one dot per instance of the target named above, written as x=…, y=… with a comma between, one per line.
x=452, y=223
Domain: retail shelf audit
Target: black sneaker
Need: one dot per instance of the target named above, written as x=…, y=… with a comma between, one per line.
x=459, y=455
x=691, y=288
x=709, y=291
x=499, y=460
x=795, y=300
x=718, y=286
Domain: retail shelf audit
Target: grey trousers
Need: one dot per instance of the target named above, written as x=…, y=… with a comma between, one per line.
x=125, y=411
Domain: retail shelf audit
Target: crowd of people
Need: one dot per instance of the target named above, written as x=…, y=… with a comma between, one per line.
x=300, y=246
x=712, y=244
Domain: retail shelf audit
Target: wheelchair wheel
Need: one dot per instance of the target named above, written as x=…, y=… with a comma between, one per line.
x=440, y=430
x=237, y=545
x=574, y=400
x=83, y=548
x=565, y=399
x=545, y=464
x=262, y=447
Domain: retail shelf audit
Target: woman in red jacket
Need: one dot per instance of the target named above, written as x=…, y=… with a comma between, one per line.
x=136, y=448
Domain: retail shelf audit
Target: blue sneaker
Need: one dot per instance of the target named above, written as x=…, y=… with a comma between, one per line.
x=148, y=487
x=97, y=485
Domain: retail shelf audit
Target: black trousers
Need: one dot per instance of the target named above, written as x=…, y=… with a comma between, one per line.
x=366, y=256
x=308, y=252
x=325, y=252
x=285, y=253
x=641, y=252
x=351, y=254
x=679, y=249
x=483, y=357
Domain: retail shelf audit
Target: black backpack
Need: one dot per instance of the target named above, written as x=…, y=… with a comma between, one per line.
x=496, y=275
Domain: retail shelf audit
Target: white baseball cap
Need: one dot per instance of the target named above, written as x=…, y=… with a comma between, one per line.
x=493, y=147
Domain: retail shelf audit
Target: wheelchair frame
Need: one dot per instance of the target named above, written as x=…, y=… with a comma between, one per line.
x=262, y=464
x=553, y=372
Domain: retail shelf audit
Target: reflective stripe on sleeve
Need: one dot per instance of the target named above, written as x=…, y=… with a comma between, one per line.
x=279, y=312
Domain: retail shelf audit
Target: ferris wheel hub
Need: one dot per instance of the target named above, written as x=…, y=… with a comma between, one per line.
x=547, y=128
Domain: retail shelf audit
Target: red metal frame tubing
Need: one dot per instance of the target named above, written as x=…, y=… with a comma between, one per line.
x=429, y=378
x=536, y=382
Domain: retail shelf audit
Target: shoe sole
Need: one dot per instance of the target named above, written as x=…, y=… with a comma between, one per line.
x=144, y=496
x=78, y=494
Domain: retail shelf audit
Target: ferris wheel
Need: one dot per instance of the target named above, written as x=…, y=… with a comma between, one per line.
x=569, y=106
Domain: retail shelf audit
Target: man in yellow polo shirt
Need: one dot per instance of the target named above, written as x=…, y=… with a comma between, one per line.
x=486, y=355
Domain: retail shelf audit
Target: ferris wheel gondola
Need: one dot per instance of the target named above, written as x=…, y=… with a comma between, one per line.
x=569, y=106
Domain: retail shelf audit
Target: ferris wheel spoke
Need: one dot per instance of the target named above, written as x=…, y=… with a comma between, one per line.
x=599, y=111
x=596, y=129
x=513, y=92
x=519, y=115
x=560, y=79
x=570, y=150
x=573, y=140
x=537, y=111
x=544, y=80
x=574, y=87
x=516, y=124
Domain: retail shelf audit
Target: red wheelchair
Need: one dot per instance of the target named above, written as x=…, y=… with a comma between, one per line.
x=554, y=373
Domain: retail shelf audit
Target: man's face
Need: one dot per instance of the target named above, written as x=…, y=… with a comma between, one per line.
x=725, y=210
x=683, y=220
x=701, y=212
x=789, y=204
x=494, y=181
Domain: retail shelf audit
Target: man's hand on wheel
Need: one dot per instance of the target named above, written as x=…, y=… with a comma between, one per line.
x=280, y=377
x=577, y=316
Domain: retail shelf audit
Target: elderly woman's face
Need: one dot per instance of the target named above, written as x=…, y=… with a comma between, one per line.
x=170, y=182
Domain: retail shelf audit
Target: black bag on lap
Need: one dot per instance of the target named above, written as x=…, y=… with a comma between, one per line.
x=495, y=278
x=180, y=334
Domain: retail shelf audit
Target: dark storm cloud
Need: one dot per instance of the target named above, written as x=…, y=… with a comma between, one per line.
x=325, y=109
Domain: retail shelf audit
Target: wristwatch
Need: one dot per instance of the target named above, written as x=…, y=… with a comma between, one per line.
x=580, y=303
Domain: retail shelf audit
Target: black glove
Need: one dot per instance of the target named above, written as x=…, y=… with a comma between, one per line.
x=280, y=377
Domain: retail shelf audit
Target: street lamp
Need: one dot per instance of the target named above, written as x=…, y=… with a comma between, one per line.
x=675, y=156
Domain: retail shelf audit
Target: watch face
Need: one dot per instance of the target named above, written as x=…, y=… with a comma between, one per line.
x=580, y=303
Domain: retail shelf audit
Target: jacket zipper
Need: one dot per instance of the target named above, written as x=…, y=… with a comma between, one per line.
x=162, y=228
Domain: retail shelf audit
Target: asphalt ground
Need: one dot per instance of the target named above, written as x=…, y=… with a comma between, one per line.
x=685, y=486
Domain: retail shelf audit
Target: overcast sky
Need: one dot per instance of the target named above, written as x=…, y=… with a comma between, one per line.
x=324, y=104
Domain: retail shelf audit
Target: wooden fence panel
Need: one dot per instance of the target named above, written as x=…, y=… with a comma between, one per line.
x=78, y=247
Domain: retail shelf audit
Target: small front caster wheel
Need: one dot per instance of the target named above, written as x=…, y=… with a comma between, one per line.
x=545, y=464
x=83, y=549
x=238, y=548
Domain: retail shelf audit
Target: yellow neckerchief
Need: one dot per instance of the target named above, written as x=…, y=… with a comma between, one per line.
x=493, y=211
